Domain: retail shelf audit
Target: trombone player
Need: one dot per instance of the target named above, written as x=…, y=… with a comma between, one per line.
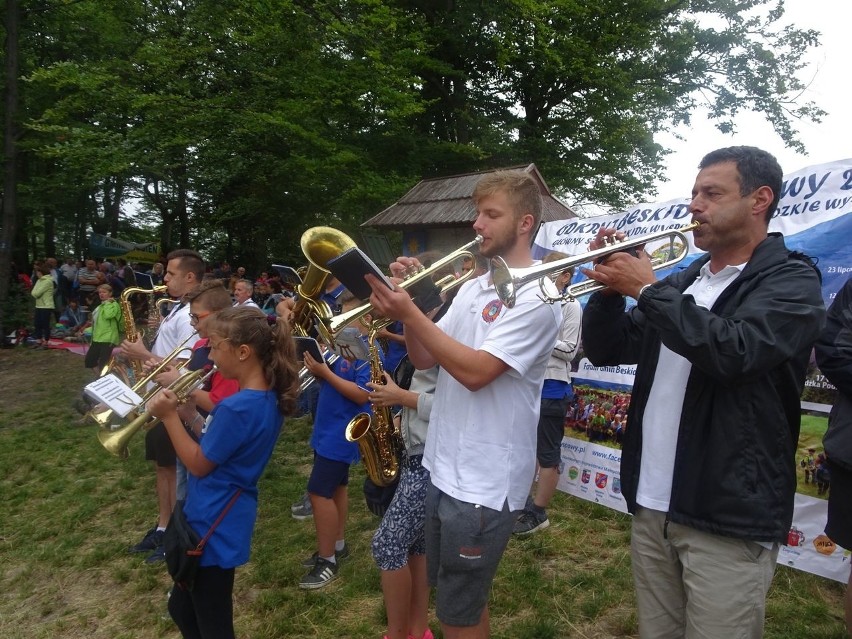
x=481, y=444
x=721, y=348
x=184, y=272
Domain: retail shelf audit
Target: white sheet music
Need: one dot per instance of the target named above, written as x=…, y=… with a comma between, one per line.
x=114, y=393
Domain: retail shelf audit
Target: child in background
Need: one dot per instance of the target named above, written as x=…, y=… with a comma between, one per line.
x=343, y=394
x=72, y=318
x=106, y=329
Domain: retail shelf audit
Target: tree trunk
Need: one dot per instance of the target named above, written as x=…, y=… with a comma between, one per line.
x=10, y=154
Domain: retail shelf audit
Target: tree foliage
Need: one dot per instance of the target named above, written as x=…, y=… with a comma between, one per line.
x=235, y=126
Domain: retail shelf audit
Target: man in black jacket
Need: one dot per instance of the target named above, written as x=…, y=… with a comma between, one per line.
x=834, y=357
x=721, y=347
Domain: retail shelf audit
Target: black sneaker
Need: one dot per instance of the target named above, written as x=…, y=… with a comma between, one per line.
x=302, y=509
x=322, y=574
x=339, y=555
x=530, y=522
x=150, y=542
x=157, y=556
x=304, y=499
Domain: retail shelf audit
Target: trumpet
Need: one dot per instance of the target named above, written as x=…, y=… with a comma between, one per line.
x=115, y=441
x=329, y=328
x=102, y=417
x=508, y=281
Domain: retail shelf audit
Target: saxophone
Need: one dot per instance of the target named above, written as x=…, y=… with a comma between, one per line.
x=379, y=440
x=131, y=333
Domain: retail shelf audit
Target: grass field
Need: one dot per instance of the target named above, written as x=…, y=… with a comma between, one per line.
x=70, y=510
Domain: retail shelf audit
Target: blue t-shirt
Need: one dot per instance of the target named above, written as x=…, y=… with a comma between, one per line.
x=556, y=389
x=334, y=412
x=396, y=350
x=240, y=438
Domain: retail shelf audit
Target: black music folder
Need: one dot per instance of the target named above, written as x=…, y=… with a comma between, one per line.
x=351, y=266
x=309, y=345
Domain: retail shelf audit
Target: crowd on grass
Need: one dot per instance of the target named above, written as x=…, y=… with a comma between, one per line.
x=56, y=301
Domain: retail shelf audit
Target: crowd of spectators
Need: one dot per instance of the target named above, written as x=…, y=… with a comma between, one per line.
x=598, y=414
x=75, y=284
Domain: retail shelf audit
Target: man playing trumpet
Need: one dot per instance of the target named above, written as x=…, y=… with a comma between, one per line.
x=721, y=348
x=481, y=444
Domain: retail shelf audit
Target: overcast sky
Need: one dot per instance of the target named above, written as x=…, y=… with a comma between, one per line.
x=829, y=77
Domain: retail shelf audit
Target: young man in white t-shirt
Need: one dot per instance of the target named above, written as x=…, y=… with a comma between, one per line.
x=184, y=272
x=481, y=444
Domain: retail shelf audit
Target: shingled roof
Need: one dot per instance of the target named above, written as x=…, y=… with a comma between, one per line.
x=442, y=202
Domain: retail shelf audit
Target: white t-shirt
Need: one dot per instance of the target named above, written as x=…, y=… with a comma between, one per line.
x=661, y=421
x=480, y=447
x=173, y=331
x=248, y=302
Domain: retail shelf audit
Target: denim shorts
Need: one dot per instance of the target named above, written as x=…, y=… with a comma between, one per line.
x=464, y=544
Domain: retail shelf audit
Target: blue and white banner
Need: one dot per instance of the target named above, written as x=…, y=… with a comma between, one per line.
x=592, y=472
x=812, y=214
x=808, y=548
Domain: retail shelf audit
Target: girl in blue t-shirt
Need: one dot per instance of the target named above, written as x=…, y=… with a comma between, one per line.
x=241, y=433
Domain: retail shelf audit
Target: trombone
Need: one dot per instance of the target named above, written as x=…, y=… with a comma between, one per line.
x=508, y=281
x=102, y=417
x=115, y=441
x=329, y=328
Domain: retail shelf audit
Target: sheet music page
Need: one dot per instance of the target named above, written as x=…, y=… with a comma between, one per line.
x=114, y=393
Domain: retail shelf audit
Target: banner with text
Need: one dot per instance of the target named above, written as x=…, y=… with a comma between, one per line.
x=812, y=215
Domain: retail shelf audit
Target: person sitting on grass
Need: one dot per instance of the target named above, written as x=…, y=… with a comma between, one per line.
x=72, y=318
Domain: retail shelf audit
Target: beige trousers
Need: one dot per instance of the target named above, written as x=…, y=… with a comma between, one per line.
x=696, y=585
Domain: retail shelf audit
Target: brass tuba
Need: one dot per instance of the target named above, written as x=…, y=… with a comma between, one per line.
x=379, y=440
x=319, y=244
x=115, y=441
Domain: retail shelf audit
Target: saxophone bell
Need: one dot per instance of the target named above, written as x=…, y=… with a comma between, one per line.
x=378, y=439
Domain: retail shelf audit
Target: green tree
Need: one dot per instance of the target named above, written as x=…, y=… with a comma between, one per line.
x=236, y=126
x=580, y=87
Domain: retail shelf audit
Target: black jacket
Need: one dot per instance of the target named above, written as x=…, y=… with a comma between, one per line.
x=834, y=357
x=734, y=471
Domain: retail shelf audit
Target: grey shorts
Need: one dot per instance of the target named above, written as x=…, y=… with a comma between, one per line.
x=551, y=430
x=464, y=544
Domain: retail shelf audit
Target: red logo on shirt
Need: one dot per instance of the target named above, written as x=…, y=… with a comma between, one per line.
x=492, y=311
